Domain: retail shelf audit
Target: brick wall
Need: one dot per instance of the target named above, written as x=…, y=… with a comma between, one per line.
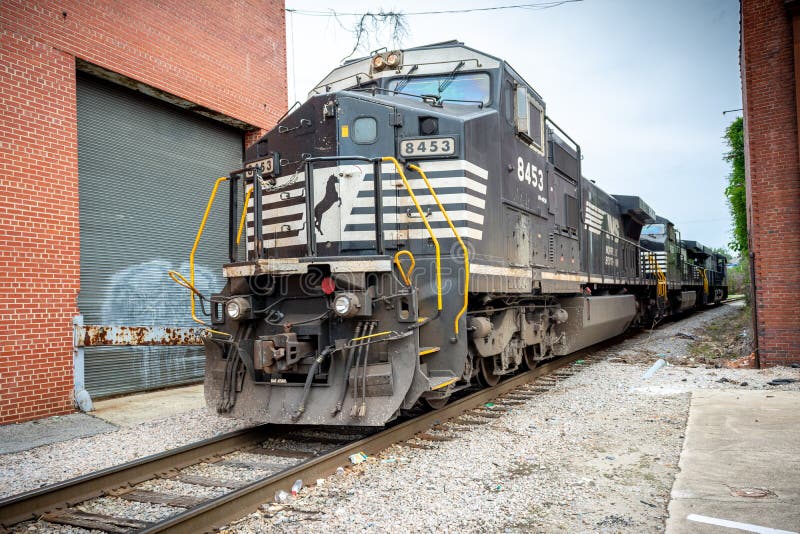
x=773, y=175
x=229, y=57
x=39, y=240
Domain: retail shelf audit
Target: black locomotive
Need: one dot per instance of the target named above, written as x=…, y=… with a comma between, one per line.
x=417, y=225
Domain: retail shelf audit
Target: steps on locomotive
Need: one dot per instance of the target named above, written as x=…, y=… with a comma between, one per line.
x=441, y=382
x=438, y=379
x=424, y=351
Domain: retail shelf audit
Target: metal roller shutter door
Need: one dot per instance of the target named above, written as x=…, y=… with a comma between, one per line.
x=146, y=169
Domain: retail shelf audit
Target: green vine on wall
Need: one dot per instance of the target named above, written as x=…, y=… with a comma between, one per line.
x=735, y=191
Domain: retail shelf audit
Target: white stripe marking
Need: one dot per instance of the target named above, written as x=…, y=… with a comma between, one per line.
x=449, y=165
x=496, y=270
x=424, y=200
x=437, y=183
x=443, y=233
x=456, y=216
x=747, y=527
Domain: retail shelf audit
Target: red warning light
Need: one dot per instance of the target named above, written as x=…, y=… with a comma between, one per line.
x=328, y=285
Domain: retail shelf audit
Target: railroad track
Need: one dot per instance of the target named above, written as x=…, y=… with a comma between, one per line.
x=286, y=453
x=290, y=452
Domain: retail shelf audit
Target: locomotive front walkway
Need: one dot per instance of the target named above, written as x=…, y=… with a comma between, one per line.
x=740, y=464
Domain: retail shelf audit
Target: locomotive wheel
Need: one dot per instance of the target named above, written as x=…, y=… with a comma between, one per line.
x=532, y=357
x=436, y=404
x=486, y=376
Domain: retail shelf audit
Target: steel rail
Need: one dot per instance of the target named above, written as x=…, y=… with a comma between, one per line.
x=236, y=504
x=32, y=504
x=239, y=503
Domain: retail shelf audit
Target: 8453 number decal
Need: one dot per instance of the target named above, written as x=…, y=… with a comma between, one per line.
x=528, y=172
x=428, y=146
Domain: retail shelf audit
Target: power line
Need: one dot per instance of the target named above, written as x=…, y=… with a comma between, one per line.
x=533, y=6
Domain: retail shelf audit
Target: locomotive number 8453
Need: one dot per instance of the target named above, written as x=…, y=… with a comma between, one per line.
x=418, y=225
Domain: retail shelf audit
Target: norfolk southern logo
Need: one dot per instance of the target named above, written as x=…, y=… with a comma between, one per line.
x=327, y=202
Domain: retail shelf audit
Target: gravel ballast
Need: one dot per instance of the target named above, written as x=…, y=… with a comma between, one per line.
x=597, y=453
x=48, y=464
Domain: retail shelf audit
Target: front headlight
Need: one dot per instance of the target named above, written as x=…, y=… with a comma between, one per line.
x=346, y=305
x=237, y=308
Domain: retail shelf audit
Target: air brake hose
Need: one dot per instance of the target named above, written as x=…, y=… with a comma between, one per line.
x=347, y=366
x=363, y=409
x=307, y=387
x=357, y=363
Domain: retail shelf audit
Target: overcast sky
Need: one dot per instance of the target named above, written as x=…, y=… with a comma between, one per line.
x=640, y=84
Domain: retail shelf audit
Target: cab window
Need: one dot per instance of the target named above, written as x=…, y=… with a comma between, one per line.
x=466, y=88
x=508, y=101
x=654, y=229
x=365, y=130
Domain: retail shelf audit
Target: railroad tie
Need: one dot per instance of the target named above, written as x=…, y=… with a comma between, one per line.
x=282, y=453
x=484, y=413
x=469, y=422
x=539, y=388
x=210, y=482
x=520, y=397
x=322, y=440
x=417, y=445
x=509, y=402
x=106, y=523
x=434, y=437
x=244, y=464
x=464, y=426
x=155, y=497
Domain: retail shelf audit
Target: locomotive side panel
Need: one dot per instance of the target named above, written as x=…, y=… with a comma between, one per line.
x=602, y=227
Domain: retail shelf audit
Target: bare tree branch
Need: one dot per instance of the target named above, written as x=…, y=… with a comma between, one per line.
x=374, y=27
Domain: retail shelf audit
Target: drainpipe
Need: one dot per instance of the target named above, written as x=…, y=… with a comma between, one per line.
x=754, y=305
x=82, y=398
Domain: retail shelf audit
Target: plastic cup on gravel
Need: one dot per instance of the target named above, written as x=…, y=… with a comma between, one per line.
x=297, y=486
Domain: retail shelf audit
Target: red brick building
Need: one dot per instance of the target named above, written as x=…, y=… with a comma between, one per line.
x=217, y=70
x=770, y=63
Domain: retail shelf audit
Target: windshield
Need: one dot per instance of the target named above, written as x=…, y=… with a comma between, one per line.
x=654, y=229
x=472, y=87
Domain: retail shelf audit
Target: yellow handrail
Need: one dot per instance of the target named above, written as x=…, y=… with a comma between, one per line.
x=705, y=281
x=244, y=214
x=460, y=242
x=174, y=274
x=406, y=275
x=661, y=283
x=399, y=169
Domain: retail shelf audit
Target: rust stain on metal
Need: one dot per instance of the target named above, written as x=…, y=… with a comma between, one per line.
x=93, y=335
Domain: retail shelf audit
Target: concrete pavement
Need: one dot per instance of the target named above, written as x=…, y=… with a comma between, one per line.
x=107, y=416
x=740, y=464
x=141, y=407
